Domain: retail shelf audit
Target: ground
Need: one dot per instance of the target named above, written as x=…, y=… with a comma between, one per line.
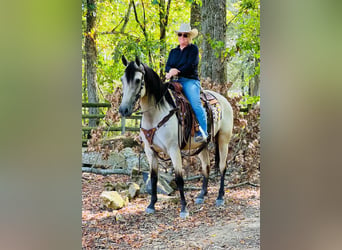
x=236, y=225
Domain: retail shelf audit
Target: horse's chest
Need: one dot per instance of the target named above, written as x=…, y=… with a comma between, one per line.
x=161, y=135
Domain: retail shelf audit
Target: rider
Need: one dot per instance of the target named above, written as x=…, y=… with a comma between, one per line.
x=183, y=63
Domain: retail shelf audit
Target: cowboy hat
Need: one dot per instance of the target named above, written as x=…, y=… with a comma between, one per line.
x=185, y=28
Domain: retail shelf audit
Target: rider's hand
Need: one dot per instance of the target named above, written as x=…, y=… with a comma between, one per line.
x=174, y=71
x=171, y=73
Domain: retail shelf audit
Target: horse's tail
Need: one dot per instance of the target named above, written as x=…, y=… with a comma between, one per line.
x=217, y=154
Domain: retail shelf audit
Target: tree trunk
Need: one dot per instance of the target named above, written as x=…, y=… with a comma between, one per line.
x=163, y=21
x=195, y=22
x=195, y=16
x=143, y=27
x=253, y=84
x=91, y=57
x=213, y=16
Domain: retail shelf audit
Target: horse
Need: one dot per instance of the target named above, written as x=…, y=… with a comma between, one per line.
x=140, y=82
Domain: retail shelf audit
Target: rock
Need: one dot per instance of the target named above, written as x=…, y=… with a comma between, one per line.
x=109, y=186
x=135, y=172
x=112, y=199
x=172, y=199
x=132, y=160
x=125, y=196
x=115, y=160
x=133, y=190
x=119, y=186
x=163, y=186
x=167, y=176
x=126, y=141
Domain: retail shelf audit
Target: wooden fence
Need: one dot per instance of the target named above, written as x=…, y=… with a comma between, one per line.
x=103, y=107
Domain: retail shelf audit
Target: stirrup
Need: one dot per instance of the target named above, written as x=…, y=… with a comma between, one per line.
x=202, y=137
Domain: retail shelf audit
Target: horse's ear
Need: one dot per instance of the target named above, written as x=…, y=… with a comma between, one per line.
x=137, y=61
x=124, y=60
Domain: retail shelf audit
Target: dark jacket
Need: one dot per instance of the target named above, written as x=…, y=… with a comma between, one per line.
x=186, y=61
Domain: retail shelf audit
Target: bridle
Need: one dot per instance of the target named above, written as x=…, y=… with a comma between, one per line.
x=138, y=95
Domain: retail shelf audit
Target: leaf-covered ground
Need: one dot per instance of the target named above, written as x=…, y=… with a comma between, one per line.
x=236, y=225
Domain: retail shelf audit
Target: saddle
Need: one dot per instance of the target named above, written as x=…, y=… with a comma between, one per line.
x=186, y=117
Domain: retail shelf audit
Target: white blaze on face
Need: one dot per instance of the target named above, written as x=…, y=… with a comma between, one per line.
x=130, y=89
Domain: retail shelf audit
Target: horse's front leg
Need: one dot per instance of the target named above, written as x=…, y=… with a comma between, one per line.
x=176, y=159
x=153, y=161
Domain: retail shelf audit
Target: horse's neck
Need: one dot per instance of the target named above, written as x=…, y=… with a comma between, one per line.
x=152, y=113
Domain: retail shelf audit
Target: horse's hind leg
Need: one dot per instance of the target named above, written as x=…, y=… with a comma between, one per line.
x=223, y=141
x=204, y=157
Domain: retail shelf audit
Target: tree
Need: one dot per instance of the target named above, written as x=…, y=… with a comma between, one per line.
x=91, y=58
x=213, y=16
x=163, y=21
x=253, y=86
x=243, y=48
x=195, y=16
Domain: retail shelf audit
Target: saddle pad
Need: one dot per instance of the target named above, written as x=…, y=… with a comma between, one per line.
x=188, y=119
x=213, y=105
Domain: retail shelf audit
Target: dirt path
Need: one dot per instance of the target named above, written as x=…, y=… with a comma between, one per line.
x=234, y=226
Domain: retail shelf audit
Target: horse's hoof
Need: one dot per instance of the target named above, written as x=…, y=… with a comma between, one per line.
x=199, y=201
x=184, y=215
x=150, y=210
x=219, y=203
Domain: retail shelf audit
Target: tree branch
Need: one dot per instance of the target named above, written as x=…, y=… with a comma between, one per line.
x=105, y=171
x=113, y=30
x=118, y=33
x=235, y=17
x=127, y=16
x=142, y=3
x=167, y=12
x=191, y=188
x=137, y=19
x=242, y=184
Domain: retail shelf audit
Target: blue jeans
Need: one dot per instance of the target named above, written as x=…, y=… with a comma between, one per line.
x=191, y=90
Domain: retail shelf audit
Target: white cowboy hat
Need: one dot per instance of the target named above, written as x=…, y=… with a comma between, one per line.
x=185, y=28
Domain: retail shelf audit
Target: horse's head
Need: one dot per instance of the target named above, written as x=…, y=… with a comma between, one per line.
x=132, y=85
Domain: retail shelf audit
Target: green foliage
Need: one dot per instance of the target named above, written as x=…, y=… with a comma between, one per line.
x=248, y=4
x=244, y=41
x=115, y=37
x=249, y=100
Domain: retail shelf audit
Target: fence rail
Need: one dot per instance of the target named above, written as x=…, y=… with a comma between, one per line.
x=112, y=129
x=123, y=128
x=95, y=105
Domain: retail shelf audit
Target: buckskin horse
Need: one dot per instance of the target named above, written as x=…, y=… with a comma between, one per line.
x=160, y=129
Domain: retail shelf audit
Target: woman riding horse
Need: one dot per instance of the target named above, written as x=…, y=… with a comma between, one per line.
x=183, y=65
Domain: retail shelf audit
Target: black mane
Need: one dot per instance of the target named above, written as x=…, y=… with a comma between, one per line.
x=155, y=87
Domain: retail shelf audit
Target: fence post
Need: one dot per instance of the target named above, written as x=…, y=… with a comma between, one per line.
x=123, y=125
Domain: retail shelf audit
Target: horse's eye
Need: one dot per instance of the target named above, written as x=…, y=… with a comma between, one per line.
x=137, y=81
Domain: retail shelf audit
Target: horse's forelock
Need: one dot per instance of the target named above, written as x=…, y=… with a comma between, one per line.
x=130, y=71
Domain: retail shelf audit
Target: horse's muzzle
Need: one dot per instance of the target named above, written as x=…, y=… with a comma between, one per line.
x=125, y=111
